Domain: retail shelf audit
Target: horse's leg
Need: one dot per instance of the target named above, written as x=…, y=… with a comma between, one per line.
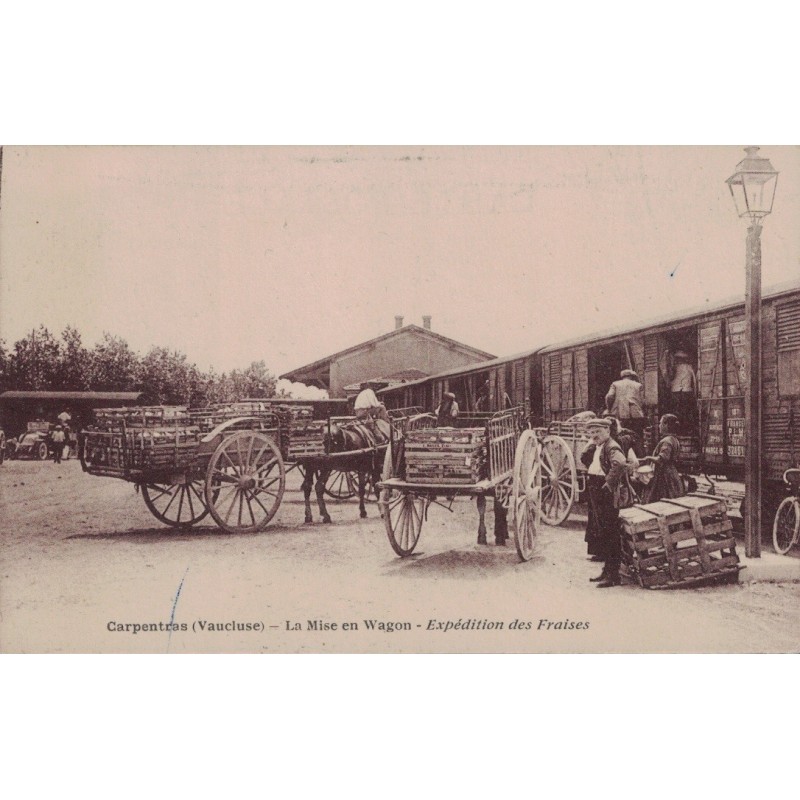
x=322, y=479
x=362, y=490
x=481, y=501
x=308, y=479
x=500, y=523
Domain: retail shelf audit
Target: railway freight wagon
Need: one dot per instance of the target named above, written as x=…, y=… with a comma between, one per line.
x=557, y=381
x=576, y=376
x=488, y=386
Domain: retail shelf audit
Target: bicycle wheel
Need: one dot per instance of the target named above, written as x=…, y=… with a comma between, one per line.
x=786, y=525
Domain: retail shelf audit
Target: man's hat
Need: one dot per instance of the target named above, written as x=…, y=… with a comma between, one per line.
x=599, y=422
x=680, y=354
x=628, y=373
x=450, y=395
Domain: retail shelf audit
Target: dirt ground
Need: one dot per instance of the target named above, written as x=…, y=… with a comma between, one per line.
x=83, y=562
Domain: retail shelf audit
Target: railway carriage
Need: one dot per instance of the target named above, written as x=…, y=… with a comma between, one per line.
x=557, y=381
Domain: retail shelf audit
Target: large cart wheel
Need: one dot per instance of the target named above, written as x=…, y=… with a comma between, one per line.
x=341, y=485
x=786, y=525
x=403, y=515
x=41, y=451
x=245, y=480
x=526, y=491
x=559, y=480
x=180, y=505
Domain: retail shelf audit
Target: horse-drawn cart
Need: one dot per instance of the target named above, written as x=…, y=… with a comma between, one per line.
x=229, y=461
x=563, y=474
x=491, y=456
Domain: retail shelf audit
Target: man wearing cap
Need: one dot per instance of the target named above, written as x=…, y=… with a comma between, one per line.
x=447, y=411
x=684, y=389
x=605, y=484
x=367, y=405
x=625, y=401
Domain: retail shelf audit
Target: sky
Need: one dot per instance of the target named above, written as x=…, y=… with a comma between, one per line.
x=288, y=254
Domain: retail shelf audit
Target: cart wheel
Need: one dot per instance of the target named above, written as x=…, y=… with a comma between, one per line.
x=403, y=515
x=526, y=494
x=180, y=505
x=786, y=525
x=41, y=451
x=341, y=485
x=559, y=480
x=245, y=480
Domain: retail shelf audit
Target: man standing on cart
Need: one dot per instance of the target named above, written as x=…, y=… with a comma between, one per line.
x=625, y=401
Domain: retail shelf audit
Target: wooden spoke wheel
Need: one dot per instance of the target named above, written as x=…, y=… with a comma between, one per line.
x=180, y=505
x=245, y=481
x=42, y=451
x=559, y=480
x=786, y=525
x=341, y=485
x=526, y=490
x=403, y=515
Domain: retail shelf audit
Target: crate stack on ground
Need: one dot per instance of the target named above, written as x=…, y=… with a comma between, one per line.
x=679, y=542
x=446, y=456
x=153, y=438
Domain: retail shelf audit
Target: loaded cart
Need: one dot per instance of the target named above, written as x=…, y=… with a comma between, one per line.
x=229, y=461
x=487, y=455
x=225, y=461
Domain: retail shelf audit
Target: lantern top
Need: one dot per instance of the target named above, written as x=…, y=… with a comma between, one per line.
x=753, y=185
x=752, y=163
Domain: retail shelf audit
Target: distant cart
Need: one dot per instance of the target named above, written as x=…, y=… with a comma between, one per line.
x=229, y=461
x=511, y=476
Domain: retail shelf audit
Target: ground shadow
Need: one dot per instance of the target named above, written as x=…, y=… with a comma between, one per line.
x=482, y=561
x=165, y=534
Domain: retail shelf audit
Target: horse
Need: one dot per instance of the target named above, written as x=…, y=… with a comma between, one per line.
x=348, y=438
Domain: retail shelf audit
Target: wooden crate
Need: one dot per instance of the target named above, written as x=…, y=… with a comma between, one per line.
x=680, y=542
x=445, y=455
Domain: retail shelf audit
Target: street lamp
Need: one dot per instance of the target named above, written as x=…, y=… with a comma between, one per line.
x=753, y=189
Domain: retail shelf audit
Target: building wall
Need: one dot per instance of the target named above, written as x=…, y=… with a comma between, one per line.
x=410, y=351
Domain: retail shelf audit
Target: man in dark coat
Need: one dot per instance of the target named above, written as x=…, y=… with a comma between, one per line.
x=607, y=469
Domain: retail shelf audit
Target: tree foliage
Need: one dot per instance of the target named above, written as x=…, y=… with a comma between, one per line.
x=40, y=361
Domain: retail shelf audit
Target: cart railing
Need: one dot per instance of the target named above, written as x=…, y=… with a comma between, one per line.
x=502, y=433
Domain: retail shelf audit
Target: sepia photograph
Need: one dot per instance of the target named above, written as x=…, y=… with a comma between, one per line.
x=400, y=399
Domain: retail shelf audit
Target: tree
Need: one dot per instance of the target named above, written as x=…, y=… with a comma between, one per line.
x=34, y=363
x=166, y=377
x=114, y=366
x=75, y=363
x=255, y=381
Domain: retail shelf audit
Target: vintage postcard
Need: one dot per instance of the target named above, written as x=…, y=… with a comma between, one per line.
x=399, y=399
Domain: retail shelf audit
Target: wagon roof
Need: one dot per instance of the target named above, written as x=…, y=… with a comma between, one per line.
x=686, y=316
x=711, y=308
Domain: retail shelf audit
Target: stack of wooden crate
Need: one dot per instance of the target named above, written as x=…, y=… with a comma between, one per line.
x=304, y=438
x=147, y=438
x=684, y=541
x=446, y=455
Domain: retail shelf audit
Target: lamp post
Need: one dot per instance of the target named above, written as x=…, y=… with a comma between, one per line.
x=753, y=189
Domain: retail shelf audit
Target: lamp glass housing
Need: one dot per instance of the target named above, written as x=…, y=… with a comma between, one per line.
x=753, y=185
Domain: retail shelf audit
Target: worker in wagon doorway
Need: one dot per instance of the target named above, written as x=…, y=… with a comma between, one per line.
x=625, y=401
x=447, y=411
x=684, y=389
